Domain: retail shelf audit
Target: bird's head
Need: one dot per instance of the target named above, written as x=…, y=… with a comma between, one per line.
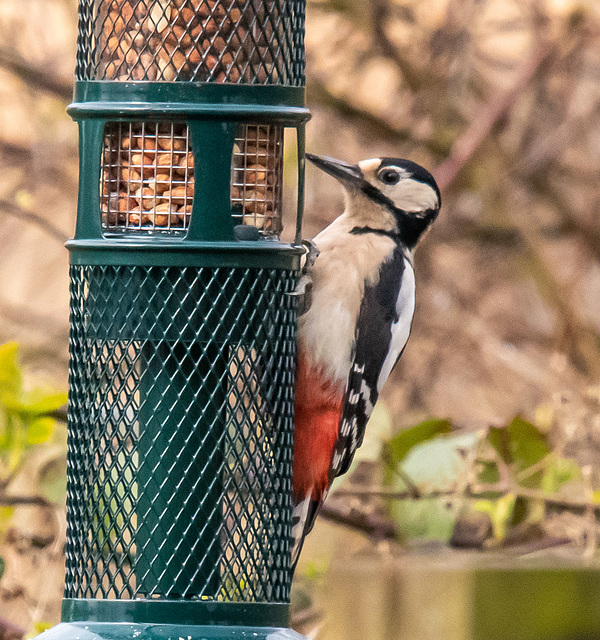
x=399, y=195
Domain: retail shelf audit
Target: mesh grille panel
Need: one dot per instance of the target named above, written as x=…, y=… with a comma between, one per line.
x=257, y=177
x=181, y=417
x=248, y=41
x=147, y=177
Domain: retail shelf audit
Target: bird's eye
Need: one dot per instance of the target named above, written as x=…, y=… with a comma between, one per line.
x=389, y=176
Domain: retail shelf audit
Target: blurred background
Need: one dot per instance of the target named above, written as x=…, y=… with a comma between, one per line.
x=499, y=387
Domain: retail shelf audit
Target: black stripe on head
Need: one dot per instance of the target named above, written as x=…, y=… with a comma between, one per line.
x=417, y=172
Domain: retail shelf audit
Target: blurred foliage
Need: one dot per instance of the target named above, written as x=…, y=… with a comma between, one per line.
x=26, y=415
x=28, y=424
x=508, y=473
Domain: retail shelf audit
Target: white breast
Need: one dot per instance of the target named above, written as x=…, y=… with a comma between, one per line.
x=327, y=330
x=405, y=308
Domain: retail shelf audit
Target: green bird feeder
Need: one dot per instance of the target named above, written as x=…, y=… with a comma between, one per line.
x=182, y=345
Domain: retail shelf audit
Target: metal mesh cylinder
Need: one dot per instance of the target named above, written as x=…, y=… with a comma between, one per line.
x=181, y=418
x=228, y=41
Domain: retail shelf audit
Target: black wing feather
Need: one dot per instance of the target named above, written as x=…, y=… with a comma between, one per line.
x=377, y=315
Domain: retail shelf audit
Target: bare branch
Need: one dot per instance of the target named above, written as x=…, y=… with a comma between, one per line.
x=34, y=76
x=19, y=501
x=381, y=17
x=477, y=492
x=466, y=145
x=11, y=209
x=372, y=524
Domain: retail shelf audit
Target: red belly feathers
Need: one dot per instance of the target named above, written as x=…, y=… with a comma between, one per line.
x=318, y=410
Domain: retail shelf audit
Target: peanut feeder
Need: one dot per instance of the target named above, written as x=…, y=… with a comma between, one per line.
x=182, y=329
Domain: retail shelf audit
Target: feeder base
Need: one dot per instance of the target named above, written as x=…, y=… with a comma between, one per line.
x=148, y=631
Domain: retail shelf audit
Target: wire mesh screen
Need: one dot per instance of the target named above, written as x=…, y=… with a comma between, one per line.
x=257, y=175
x=247, y=41
x=180, y=418
x=147, y=178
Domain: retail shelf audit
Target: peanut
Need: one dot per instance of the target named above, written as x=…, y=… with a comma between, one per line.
x=146, y=197
x=256, y=174
x=165, y=159
x=130, y=175
x=171, y=144
x=159, y=15
x=180, y=195
x=144, y=162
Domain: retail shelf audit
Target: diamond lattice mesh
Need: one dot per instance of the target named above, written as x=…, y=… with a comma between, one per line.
x=257, y=177
x=180, y=440
x=233, y=41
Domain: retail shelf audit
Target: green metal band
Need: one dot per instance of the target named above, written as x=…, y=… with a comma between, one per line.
x=190, y=92
x=272, y=104
x=197, y=612
x=171, y=252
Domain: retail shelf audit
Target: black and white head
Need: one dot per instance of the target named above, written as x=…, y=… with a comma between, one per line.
x=403, y=194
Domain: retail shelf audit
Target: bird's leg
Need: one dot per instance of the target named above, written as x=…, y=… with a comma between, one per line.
x=304, y=287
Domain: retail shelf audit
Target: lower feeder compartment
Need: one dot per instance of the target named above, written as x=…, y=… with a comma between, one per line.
x=181, y=419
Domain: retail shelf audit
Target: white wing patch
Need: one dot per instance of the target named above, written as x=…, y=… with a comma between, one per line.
x=299, y=518
x=405, y=307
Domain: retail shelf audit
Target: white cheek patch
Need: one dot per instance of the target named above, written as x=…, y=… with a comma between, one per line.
x=412, y=195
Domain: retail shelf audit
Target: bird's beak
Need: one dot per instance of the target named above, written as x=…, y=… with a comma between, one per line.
x=342, y=171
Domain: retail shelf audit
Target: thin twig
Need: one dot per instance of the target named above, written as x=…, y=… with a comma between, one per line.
x=466, y=145
x=372, y=524
x=15, y=211
x=478, y=491
x=18, y=501
x=34, y=76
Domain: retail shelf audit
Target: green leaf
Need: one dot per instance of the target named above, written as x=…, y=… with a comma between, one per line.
x=11, y=379
x=488, y=473
x=425, y=519
x=398, y=447
x=42, y=401
x=438, y=463
x=2, y=566
x=500, y=511
x=433, y=465
x=499, y=438
x=40, y=430
x=558, y=472
x=528, y=445
x=520, y=444
x=40, y=627
x=6, y=514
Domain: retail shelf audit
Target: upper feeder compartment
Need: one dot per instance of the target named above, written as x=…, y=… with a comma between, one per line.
x=226, y=41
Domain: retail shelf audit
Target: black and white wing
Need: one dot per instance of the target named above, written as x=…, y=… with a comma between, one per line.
x=382, y=331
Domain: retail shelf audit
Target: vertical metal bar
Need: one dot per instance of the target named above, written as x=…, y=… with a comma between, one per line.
x=212, y=145
x=182, y=424
x=301, y=138
x=91, y=138
x=180, y=471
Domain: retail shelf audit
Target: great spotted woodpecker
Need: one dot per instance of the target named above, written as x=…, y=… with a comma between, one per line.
x=360, y=281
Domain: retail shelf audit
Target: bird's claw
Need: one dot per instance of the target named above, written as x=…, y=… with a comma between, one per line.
x=303, y=289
